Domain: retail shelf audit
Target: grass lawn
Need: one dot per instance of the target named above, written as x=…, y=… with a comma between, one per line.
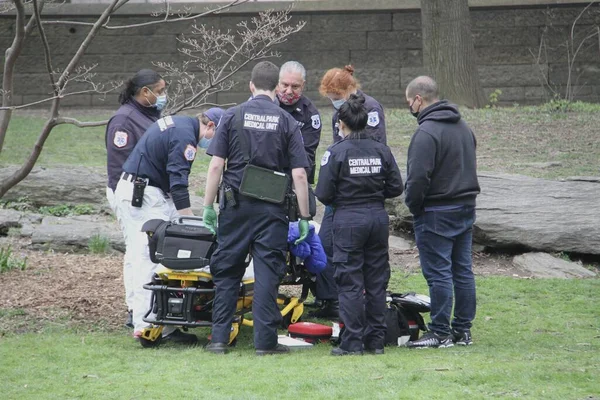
x=534, y=339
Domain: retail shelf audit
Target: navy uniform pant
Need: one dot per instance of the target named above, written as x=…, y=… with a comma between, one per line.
x=362, y=273
x=263, y=228
x=326, y=289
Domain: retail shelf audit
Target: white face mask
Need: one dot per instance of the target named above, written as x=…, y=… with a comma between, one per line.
x=337, y=103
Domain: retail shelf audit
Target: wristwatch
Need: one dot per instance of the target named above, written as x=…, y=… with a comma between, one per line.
x=309, y=218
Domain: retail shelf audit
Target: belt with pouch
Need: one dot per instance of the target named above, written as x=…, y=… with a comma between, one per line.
x=126, y=176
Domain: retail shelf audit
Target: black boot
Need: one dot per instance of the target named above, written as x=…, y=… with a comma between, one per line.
x=329, y=310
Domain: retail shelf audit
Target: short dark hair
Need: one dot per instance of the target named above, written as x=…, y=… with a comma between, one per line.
x=353, y=113
x=265, y=76
x=144, y=77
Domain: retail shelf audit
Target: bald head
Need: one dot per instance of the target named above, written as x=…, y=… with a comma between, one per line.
x=425, y=87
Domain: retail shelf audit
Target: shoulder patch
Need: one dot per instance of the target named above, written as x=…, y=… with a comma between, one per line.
x=373, y=119
x=316, y=121
x=165, y=123
x=325, y=158
x=121, y=139
x=190, y=152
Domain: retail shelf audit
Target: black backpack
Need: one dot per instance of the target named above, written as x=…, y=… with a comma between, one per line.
x=403, y=317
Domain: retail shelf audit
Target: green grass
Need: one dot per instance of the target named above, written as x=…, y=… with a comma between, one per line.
x=98, y=244
x=509, y=140
x=9, y=261
x=534, y=339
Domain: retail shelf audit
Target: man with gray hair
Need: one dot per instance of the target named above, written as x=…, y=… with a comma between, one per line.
x=441, y=187
x=292, y=77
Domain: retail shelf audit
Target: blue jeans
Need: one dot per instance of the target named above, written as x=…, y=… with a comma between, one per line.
x=444, y=241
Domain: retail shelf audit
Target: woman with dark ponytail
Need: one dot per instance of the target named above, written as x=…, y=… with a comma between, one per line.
x=357, y=174
x=338, y=84
x=142, y=100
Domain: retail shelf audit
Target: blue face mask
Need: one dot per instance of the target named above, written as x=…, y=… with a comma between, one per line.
x=204, y=142
x=337, y=103
x=161, y=102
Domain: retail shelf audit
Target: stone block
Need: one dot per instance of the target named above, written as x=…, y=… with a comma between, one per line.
x=394, y=40
x=306, y=41
x=127, y=44
x=386, y=58
x=406, y=21
x=7, y=32
x=536, y=92
x=581, y=74
x=511, y=75
x=377, y=79
x=315, y=59
x=135, y=62
x=502, y=55
x=351, y=22
x=407, y=74
x=507, y=37
x=567, y=15
x=231, y=21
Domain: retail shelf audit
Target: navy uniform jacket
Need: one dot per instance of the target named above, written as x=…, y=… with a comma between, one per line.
x=309, y=121
x=273, y=137
x=358, y=171
x=123, y=131
x=166, y=152
x=375, y=124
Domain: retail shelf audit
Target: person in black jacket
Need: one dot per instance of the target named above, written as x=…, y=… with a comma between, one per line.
x=441, y=188
x=357, y=174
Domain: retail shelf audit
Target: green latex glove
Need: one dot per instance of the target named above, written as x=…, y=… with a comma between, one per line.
x=210, y=219
x=303, y=226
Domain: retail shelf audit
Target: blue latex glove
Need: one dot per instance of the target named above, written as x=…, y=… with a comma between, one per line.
x=210, y=219
x=329, y=209
x=304, y=228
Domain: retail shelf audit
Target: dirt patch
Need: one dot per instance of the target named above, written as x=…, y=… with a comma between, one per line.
x=86, y=291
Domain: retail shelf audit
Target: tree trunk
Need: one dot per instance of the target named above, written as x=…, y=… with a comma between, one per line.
x=448, y=51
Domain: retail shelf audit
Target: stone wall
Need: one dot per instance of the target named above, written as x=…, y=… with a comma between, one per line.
x=380, y=38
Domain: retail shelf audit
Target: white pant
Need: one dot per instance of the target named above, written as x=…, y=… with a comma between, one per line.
x=155, y=206
x=127, y=264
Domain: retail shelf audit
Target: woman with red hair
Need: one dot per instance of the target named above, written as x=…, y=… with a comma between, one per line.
x=338, y=84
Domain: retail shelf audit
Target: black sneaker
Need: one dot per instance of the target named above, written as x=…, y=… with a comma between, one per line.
x=377, y=352
x=462, y=338
x=129, y=320
x=279, y=349
x=338, y=351
x=180, y=338
x=431, y=340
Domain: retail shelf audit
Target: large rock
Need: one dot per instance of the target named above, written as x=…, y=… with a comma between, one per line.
x=538, y=214
x=68, y=186
x=58, y=186
x=515, y=211
x=543, y=265
x=68, y=234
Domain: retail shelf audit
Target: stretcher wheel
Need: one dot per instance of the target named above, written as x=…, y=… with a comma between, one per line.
x=148, y=344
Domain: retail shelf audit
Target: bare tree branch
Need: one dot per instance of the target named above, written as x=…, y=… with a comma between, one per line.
x=86, y=43
x=73, y=121
x=166, y=19
x=10, y=59
x=47, y=57
x=216, y=56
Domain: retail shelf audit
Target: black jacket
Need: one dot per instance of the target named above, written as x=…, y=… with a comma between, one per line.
x=442, y=167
